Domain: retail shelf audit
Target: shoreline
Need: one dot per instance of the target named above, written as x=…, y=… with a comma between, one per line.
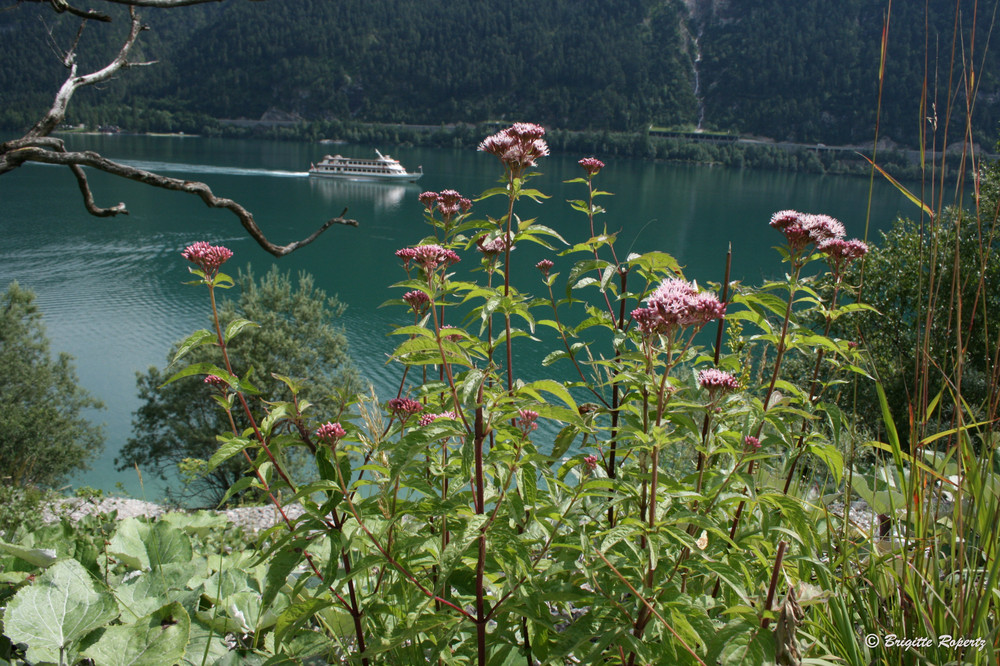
x=251, y=519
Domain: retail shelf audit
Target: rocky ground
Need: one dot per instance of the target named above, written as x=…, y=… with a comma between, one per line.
x=250, y=518
x=256, y=518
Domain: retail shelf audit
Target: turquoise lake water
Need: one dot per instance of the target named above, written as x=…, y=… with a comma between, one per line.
x=112, y=290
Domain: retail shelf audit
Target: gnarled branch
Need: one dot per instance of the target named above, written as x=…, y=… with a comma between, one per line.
x=30, y=153
x=37, y=146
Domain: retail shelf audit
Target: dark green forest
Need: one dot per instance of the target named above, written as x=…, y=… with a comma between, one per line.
x=803, y=71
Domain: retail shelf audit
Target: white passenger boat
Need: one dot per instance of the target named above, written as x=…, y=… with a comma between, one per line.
x=351, y=168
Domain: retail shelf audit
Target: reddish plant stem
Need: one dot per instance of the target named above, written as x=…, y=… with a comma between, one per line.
x=715, y=359
x=506, y=279
x=352, y=607
x=480, y=498
x=774, y=379
x=774, y=582
x=813, y=388
x=612, y=468
x=388, y=556
x=650, y=609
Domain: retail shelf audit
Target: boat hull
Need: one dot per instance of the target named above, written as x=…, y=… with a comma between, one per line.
x=388, y=177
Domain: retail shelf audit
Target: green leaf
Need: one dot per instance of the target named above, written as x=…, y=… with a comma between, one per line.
x=280, y=566
x=553, y=387
x=149, y=590
x=229, y=448
x=158, y=638
x=199, y=523
x=238, y=487
x=143, y=546
x=196, y=339
x=62, y=606
x=40, y=557
x=201, y=369
x=236, y=327
x=656, y=262
x=295, y=615
x=833, y=458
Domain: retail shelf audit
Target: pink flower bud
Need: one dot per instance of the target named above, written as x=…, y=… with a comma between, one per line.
x=591, y=165
x=330, y=432
x=207, y=257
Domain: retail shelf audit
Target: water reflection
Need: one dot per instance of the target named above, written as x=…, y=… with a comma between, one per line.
x=384, y=196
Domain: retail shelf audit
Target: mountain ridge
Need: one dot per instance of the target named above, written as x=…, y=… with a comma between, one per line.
x=806, y=72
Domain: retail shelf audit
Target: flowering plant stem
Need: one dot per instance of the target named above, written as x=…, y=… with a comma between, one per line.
x=779, y=355
x=351, y=606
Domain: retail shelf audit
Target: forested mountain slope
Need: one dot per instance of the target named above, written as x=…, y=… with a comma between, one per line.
x=805, y=70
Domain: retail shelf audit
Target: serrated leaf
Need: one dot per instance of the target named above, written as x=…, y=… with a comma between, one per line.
x=201, y=369
x=295, y=615
x=236, y=326
x=228, y=449
x=280, y=566
x=146, y=592
x=59, y=608
x=833, y=458
x=196, y=339
x=199, y=522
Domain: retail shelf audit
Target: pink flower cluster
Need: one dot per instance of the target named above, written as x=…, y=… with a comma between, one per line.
x=330, y=432
x=207, y=257
x=527, y=420
x=416, y=299
x=427, y=257
x=591, y=165
x=840, y=252
x=217, y=382
x=714, y=380
x=545, y=265
x=405, y=407
x=674, y=304
x=428, y=419
x=591, y=463
x=801, y=229
x=751, y=443
x=518, y=147
x=448, y=202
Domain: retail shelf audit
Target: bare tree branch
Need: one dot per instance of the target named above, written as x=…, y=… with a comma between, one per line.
x=57, y=113
x=28, y=153
x=37, y=146
x=161, y=3
x=62, y=6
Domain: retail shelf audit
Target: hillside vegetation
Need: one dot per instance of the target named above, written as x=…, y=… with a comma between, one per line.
x=805, y=71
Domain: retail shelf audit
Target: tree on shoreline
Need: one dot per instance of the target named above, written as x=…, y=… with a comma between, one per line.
x=37, y=144
x=43, y=436
x=295, y=336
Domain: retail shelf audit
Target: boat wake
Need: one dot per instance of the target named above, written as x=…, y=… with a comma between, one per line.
x=175, y=167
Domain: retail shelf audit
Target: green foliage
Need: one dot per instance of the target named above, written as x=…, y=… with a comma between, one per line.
x=21, y=506
x=52, y=616
x=909, y=278
x=137, y=593
x=822, y=84
x=644, y=506
x=475, y=529
x=294, y=336
x=44, y=436
x=572, y=64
